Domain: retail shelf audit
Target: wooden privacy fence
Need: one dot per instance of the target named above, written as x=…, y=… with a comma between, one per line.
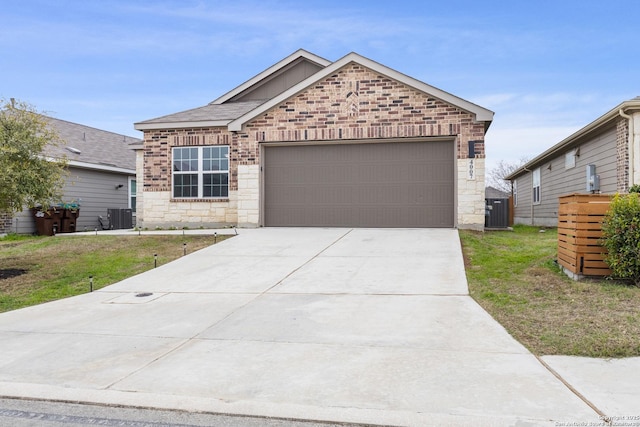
x=579, y=233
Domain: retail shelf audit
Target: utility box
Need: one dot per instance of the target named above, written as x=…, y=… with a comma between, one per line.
x=593, y=180
x=496, y=213
x=120, y=218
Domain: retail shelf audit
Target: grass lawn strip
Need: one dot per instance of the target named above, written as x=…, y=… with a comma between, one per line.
x=58, y=267
x=513, y=276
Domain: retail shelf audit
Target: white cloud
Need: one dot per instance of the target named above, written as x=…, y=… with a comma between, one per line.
x=513, y=144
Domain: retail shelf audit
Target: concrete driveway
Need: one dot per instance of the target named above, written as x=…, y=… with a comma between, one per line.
x=350, y=325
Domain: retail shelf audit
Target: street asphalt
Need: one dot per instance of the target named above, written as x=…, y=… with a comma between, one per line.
x=342, y=325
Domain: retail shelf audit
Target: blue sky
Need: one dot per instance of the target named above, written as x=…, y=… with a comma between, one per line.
x=546, y=68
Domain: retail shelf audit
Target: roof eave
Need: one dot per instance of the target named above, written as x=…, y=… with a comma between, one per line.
x=565, y=143
x=180, y=125
x=482, y=114
x=100, y=167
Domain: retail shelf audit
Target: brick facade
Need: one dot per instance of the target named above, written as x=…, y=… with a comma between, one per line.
x=6, y=222
x=354, y=103
x=622, y=154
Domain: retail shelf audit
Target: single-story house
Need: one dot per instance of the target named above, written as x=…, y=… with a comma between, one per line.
x=102, y=175
x=495, y=193
x=309, y=142
x=602, y=157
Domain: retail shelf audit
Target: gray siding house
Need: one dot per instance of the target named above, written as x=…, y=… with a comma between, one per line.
x=602, y=157
x=102, y=172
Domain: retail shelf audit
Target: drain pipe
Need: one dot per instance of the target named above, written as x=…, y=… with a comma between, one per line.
x=631, y=147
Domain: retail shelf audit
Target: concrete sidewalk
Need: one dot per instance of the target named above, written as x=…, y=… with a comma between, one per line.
x=365, y=326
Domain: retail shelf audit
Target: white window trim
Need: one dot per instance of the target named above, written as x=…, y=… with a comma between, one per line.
x=534, y=186
x=200, y=172
x=515, y=193
x=130, y=195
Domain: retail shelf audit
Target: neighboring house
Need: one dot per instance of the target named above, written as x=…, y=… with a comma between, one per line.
x=101, y=174
x=602, y=157
x=309, y=142
x=494, y=193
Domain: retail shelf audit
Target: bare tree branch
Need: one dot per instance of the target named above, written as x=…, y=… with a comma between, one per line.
x=495, y=176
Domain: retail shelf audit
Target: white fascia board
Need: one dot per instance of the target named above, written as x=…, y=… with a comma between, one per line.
x=482, y=114
x=300, y=53
x=104, y=168
x=180, y=125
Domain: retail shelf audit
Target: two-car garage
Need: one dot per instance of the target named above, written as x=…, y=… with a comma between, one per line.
x=386, y=184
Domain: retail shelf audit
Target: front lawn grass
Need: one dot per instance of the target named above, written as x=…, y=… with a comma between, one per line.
x=513, y=275
x=38, y=269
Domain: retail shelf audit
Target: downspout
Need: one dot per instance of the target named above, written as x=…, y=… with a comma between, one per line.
x=631, y=143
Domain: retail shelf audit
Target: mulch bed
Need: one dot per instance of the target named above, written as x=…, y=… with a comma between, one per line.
x=8, y=273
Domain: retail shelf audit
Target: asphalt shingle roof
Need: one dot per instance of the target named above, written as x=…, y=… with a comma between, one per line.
x=210, y=112
x=95, y=146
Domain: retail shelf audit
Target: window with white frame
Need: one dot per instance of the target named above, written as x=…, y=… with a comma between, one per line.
x=515, y=193
x=536, y=186
x=132, y=194
x=201, y=172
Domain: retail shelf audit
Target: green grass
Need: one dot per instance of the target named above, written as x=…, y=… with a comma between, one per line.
x=513, y=275
x=59, y=267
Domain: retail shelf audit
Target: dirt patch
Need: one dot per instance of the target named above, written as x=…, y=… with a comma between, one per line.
x=8, y=273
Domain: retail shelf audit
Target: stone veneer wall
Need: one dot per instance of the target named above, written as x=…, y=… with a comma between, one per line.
x=471, y=194
x=139, y=189
x=354, y=103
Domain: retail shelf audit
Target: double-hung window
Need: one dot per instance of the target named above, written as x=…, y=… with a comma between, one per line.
x=536, y=186
x=201, y=172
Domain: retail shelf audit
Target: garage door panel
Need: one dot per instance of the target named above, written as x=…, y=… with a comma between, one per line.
x=360, y=185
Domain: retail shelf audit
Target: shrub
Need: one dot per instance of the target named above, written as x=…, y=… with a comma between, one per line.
x=635, y=188
x=621, y=237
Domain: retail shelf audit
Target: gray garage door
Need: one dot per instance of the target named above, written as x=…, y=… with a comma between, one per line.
x=401, y=184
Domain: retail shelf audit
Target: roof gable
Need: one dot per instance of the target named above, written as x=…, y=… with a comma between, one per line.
x=481, y=114
x=305, y=63
x=284, y=80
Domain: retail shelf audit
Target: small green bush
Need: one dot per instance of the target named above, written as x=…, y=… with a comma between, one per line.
x=635, y=188
x=621, y=237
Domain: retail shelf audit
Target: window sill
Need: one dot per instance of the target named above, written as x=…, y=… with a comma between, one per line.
x=199, y=200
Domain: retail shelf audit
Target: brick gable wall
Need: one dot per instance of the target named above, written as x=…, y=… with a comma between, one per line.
x=356, y=103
